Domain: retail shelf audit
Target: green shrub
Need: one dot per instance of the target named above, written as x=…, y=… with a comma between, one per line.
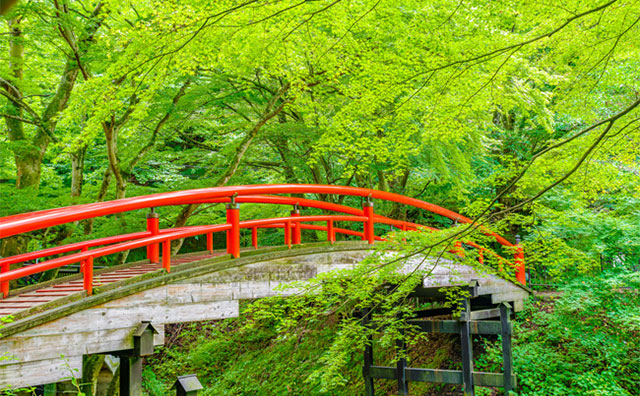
x=587, y=343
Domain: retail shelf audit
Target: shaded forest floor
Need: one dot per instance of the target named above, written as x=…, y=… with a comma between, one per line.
x=583, y=340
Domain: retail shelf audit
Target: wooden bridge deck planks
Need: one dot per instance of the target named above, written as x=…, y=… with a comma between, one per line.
x=14, y=305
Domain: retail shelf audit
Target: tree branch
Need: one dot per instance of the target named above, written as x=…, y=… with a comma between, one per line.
x=152, y=141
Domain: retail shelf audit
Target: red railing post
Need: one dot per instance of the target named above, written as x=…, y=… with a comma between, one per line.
x=297, y=234
x=153, y=226
x=254, y=237
x=331, y=235
x=83, y=263
x=367, y=210
x=457, y=248
x=4, y=286
x=233, y=235
x=166, y=255
x=287, y=233
x=480, y=256
x=519, y=261
x=210, y=242
x=87, y=278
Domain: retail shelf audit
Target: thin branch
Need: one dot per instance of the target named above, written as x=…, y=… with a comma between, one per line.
x=512, y=46
x=310, y=18
x=609, y=122
x=452, y=14
x=13, y=117
x=204, y=25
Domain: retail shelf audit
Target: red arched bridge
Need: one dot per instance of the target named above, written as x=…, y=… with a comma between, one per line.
x=66, y=316
x=85, y=252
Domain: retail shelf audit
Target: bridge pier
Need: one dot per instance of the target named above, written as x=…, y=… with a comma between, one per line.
x=368, y=230
x=130, y=375
x=469, y=322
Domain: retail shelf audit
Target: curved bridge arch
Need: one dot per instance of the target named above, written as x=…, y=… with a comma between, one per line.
x=22, y=223
x=208, y=288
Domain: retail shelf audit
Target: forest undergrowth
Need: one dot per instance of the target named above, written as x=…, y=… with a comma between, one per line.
x=583, y=339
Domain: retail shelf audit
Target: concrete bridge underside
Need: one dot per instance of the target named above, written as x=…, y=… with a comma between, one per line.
x=208, y=289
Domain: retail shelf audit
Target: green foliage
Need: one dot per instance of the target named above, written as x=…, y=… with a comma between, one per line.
x=586, y=342
x=447, y=101
x=234, y=360
x=151, y=383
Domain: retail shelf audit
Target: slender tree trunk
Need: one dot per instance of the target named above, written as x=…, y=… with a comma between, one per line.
x=114, y=386
x=102, y=193
x=24, y=154
x=91, y=366
x=77, y=170
x=111, y=130
x=111, y=135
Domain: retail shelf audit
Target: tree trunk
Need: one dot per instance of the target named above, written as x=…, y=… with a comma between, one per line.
x=114, y=386
x=104, y=188
x=91, y=366
x=27, y=155
x=111, y=134
x=77, y=170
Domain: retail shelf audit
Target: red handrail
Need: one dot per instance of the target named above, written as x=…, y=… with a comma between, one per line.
x=323, y=228
x=21, y=223
x=21, y=258
x=249, y=199
x=17, y=224
x=165, y=236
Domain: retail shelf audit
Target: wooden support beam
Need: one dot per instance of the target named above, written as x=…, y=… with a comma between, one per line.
x=453, y=326
x=507, y=360
x=368, y=357
x=485, y=314
x=479, y=314
x=441, y=376
x=401, y=377
x=439, y=292
x=130, y=376
x=428, y=313
x=467, y=348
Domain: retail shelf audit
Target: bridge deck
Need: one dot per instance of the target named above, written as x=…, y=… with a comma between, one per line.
x=36, y=297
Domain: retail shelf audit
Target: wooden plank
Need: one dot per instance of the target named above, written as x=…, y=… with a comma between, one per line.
x=437, y=290
x=441, y=376
x=453, y=326
x=41, y=371
x=485, y=314
x=427, y=313
x=382, y=372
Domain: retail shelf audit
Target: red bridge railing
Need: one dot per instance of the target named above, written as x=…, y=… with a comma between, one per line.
x=154, y=237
